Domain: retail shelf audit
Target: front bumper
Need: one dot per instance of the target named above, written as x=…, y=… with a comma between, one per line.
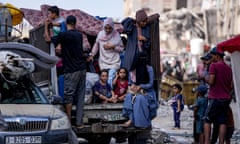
x=53, y=137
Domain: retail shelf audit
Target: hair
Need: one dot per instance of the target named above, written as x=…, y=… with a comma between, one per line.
x=178, y=86
x=104, y=70
x=126, y=78
x=54, y=9
x=71, y=20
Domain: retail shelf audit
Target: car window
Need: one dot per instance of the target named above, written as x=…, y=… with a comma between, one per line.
x=23, y=91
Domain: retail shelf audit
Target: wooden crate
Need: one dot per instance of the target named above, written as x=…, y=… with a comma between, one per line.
x=189, y=96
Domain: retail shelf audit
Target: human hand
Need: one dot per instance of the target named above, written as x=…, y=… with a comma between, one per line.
x=141, y=38
x=47, y=21
x=58, y=50
x=90, y=58
x=108, y=46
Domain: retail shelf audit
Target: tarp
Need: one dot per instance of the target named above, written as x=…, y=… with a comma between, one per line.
x=17, y=14
x=230, y=45
x=85, y=22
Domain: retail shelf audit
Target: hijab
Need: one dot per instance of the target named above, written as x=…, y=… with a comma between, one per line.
x=103, y=36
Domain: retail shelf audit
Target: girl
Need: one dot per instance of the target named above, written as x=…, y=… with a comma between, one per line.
x=120, y=84
x=102, y=90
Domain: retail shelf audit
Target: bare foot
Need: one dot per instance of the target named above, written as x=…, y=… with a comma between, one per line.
x=127, y=123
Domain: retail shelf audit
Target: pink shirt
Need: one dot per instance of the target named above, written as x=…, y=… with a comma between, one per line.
x=221, y=88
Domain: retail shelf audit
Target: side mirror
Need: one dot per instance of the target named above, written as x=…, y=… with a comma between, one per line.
x=56, y=100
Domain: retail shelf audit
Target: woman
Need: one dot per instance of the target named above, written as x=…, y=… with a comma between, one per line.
x=138, y=44
x=109, y=45
x=140, y=106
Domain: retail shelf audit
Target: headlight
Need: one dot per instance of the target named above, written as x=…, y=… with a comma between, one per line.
x=60, y=123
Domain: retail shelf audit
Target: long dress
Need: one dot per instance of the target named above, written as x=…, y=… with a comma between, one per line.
x=136, y=57
x=142, y=108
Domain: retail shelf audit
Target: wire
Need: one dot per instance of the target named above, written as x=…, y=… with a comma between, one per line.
x=9, y=81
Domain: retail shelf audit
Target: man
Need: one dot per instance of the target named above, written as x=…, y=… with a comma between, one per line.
x=220, y=82
x=70, y=44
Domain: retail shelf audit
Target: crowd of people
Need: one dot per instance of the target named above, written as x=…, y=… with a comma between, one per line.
x=213, y=117
x=128, y=80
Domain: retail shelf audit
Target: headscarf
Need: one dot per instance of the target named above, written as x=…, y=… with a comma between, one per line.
x=103, y=36
x=141, y=15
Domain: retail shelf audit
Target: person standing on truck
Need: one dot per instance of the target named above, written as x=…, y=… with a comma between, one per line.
x=140, y=105
x=54, y=24
x=70, y=44
x=109, y=44
x=138, y=45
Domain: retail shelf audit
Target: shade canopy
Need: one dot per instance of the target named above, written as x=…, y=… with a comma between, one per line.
x=17, y=14
x=230, y=45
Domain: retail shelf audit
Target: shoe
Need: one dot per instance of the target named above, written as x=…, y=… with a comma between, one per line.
x=80, y=126
x=175, y=128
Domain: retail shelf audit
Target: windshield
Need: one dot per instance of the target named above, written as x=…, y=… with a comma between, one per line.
x=22, y=91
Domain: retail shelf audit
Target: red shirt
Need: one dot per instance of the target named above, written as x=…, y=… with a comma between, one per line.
x=121, y=87
x=221, y=88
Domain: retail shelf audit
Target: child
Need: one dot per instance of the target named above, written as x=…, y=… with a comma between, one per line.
x=102, y=90
x=120, y=84
x=199, y=110
x=177, y=104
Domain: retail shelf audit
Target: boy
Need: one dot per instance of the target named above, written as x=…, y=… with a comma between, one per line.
x=102, y=90
x=177, y=104
x=199, y=110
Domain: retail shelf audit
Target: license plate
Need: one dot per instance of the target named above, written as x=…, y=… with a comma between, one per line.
x=23, y=139
x=113, y=117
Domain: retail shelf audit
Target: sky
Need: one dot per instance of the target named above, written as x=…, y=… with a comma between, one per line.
x=102, y=8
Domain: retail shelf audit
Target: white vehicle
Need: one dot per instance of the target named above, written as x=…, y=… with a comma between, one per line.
x=27, y=114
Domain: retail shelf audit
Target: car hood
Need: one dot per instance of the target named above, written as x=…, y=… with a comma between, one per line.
x=30, y=110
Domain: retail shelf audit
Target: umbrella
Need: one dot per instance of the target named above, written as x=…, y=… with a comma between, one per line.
x=230, y=45
x=17, y=14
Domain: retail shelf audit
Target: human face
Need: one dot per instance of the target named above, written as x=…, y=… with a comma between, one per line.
x=175, y=90
x=108, y=29
x=143, y=23
x=104, y=77
x=122, y=73
x=214, y=57
x=51, y=15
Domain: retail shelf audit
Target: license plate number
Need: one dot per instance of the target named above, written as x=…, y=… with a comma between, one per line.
x=23, y=139
x=114, y=117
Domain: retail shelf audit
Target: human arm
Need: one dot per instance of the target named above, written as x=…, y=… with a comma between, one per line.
x=211, y=78
x=58, y=49
x=115, y=43
x=151, y=76
x=94, y=51
x=47, y=36
x=115, y=79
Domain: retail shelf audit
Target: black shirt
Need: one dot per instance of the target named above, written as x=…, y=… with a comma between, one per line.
x=72, y=51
